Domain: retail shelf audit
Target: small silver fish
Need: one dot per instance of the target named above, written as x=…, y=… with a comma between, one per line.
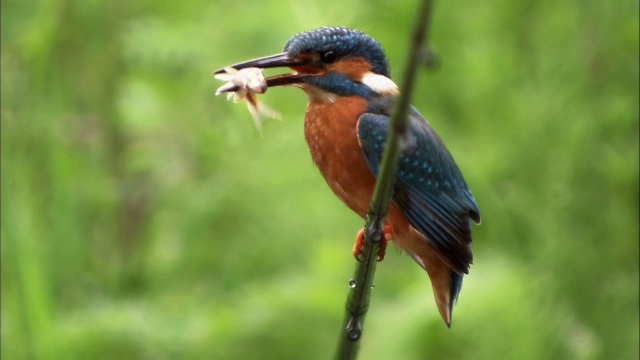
x=244, y=84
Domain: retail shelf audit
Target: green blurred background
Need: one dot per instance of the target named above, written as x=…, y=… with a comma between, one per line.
x=145, y=218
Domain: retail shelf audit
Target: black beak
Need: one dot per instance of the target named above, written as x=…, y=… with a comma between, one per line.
x=278, y=60
x=273, y=61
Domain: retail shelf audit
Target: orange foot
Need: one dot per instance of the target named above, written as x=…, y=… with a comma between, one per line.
x=357, y=248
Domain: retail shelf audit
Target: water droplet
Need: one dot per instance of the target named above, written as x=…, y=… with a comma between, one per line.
x=353, y=334
x=354, y=329
x=352, y=284
x=373, y=285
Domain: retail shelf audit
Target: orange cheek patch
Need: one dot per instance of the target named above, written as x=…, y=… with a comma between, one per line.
x=354, y=69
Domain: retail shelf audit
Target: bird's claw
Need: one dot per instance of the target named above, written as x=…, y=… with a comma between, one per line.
x=360, y=243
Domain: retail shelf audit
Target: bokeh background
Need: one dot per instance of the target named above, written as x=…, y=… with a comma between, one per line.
x=145, y=218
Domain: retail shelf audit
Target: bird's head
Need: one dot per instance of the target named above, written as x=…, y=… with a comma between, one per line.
x=329, y=62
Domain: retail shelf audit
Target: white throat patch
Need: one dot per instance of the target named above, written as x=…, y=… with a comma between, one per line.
x=316, y=94
x=380, y=84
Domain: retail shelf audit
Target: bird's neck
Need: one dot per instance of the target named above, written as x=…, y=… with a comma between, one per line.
x=317, y=95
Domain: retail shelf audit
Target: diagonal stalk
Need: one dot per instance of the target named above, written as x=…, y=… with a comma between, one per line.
x=362, y=282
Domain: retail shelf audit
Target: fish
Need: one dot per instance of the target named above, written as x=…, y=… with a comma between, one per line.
x=244, y=84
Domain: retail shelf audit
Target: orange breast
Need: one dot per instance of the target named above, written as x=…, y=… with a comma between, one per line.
x=331, y=132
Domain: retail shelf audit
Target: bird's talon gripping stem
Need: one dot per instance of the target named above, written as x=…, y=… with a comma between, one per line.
x=360, y=243
x=357, y=247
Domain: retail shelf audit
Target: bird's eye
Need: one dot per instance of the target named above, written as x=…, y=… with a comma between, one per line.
x=328, y=57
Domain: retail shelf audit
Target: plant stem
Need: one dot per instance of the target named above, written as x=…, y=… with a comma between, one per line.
x=362, y=282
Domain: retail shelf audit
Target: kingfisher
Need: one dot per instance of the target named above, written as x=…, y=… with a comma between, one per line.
x=346, y=76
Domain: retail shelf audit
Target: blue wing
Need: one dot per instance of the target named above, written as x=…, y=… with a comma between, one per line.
x=429, y=188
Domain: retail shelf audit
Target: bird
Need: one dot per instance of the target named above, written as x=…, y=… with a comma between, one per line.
x=346, y=76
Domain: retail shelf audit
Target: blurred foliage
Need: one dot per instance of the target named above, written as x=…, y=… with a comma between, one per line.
x=144, y=218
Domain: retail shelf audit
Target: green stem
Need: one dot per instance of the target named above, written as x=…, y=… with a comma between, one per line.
x=362, y=282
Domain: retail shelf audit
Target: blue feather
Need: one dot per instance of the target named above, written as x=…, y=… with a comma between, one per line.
x=343, y=41
x=429, y=188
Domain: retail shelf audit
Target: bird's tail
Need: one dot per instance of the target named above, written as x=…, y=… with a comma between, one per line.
x=446, y=283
